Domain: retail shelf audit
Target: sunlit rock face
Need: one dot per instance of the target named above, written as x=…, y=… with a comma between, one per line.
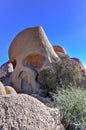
x=29, y=52
x=58, y=49
x=2, y=89
x=5, y=72
x=23, y=112
x=7, y=67
x=6, y=89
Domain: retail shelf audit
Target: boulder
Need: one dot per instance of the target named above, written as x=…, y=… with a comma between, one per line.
x=7, y=67
x=2, y=74
x=2, y=89
x=59, y=49
x=5, y=73
x=10, y=90
x=23, y=112
x=29, y=52
x=6, y=89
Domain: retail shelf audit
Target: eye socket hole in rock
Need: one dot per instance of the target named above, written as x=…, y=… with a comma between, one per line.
x=34, y=60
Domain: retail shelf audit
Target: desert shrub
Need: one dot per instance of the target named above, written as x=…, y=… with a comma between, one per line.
x=72, y=104
x=48, y=78
x=59, y=75
x=61, y=81
x=68, y=72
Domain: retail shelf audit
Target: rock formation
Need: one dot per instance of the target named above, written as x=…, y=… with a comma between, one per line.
x=2, y=89
x=58, y=49
x=6, y=89
x=23, y=112
x=7, y=67
x=5, y=73
x=10, y=90
x=29, y=52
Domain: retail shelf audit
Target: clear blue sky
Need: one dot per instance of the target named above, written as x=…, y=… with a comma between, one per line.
x=64, y=22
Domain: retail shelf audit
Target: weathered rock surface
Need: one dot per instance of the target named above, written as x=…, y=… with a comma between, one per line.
x=58, y=49
x=30, y=51
x=24, y=112
x=2, y=73
x=5, y=73
x=6, y=89
x=2, y=89
x=9, y=90
x=7, y=67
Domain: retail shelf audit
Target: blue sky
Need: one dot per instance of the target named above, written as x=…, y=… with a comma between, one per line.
x=64, y=22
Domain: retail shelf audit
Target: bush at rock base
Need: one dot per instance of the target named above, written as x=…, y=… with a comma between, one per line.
x=63, y=84
x=60, y=75
x=72, y=105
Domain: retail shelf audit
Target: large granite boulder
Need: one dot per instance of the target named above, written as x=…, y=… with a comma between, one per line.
x=29, y=52
x=23, y=112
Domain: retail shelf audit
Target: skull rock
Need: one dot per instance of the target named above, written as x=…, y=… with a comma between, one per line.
x=29, y=52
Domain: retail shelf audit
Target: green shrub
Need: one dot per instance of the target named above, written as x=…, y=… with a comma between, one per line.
x=63, y=79
x=48, y=78
x=61, y=74
x=72, y=104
